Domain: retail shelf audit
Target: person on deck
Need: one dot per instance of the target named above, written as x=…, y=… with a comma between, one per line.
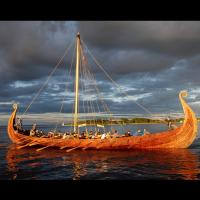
x=173, y=126
x=139, y=132
x=41, y=133
x=83, y=135
x=37, y=133
x=146, y=132
x=87, y=135
x=33, y=130
x=116, y=135
x=169, y=123
x=19, y=124
x=103, y=136
x=64, y=136
x=128, y=133
x=95, y=135
x=50, y=134
x=108, y=135
x=91, y=134
x=98, y=135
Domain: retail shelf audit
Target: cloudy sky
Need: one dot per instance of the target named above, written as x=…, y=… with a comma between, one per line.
x=151, y=61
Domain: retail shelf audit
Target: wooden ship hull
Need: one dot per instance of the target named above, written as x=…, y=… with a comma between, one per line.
x=180, y=137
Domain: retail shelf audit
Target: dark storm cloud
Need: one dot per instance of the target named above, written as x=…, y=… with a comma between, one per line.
x=28, y=53
x=124, y=62
x=180, y=39
x=149, y=47
x=152, y=61
x=28, y=49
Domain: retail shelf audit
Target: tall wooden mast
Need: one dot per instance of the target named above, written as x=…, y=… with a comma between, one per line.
x=77, y=82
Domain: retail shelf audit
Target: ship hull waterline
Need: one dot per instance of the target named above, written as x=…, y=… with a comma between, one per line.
x=180, y=137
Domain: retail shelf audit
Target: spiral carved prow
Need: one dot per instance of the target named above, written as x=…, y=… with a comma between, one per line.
x=15, y=106
x=183, y=93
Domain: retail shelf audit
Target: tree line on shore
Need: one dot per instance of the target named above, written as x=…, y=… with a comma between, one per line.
x=128, y=121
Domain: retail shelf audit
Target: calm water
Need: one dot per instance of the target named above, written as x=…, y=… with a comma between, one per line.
x=89, y=164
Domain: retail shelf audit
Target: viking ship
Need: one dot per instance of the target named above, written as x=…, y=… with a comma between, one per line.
x=178, y=137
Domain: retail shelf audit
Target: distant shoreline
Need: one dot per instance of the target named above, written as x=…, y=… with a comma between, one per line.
x=124, y=121
x=124, y=124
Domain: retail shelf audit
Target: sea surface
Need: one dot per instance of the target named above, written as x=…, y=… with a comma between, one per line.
x=51, y=164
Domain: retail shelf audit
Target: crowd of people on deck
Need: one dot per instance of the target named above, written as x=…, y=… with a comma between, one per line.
x=34, y=132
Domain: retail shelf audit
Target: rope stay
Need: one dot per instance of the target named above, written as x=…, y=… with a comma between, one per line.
x=92, y=77
x=86, y=79
x=67, y=75
x=86, y=74
x=116, y=84
x=104, y=104
x=48, y=78
x=82, y=89
x=89, y=104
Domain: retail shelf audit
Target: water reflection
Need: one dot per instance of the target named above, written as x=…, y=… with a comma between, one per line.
x=90, y=164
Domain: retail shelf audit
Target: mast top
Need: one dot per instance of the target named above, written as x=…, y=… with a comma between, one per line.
x=78, y=35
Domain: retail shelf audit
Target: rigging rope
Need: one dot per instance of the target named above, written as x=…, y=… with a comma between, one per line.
x=117, y=85
x=66, y=88
x=48, y=78
x=86, y=90
x=106, y=109
x=105, y=105
x=82, y=89
x=92, y=77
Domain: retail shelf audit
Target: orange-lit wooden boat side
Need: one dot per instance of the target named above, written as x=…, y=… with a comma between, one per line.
x=181, y=137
